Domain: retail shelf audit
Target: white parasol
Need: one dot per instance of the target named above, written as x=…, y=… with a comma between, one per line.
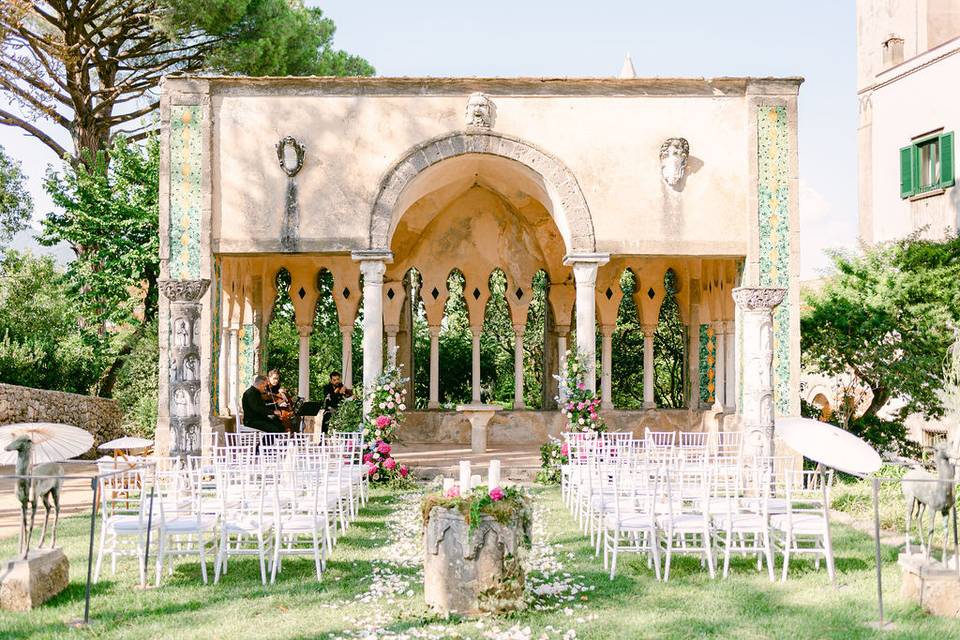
x=52, y=442
x=829, y=445
x=126, y=443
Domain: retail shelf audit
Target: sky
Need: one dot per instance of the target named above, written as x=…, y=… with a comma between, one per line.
x=815, y=39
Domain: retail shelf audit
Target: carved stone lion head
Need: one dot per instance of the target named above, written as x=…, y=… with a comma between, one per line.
x=480, y=111
x=673, y=160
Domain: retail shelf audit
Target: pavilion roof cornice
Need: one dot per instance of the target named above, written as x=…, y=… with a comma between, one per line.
x=390, y=86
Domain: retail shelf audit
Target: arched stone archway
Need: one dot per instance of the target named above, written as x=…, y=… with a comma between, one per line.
x=566, y=202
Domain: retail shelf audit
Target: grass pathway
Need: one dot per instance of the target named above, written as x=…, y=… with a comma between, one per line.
x=373, y=589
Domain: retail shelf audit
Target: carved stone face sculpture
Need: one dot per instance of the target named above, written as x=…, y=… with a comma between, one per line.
x=479, y=111
x=673, y=160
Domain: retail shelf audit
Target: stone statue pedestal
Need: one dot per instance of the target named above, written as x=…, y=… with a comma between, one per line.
x=931, y=584
x=470, y=572
x=479, y=416
x=25, y=584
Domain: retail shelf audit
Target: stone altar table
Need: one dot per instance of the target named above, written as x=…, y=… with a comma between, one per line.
x=479, y=415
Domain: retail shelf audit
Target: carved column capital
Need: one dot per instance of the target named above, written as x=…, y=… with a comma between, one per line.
x=183, y=290
x=758, y=298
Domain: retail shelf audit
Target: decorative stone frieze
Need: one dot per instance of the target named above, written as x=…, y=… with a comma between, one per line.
x=184, y=363
x=756, y=305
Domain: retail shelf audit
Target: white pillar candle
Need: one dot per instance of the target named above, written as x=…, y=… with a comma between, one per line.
x=464, y=476
x=447, y=484
x=494, y=475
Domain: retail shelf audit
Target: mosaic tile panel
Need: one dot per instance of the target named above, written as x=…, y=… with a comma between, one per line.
x=216, y=298
x=708, y=364
x=773, y=196
x=185, y=192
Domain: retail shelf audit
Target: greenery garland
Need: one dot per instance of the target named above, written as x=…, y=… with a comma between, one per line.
x=504, y=505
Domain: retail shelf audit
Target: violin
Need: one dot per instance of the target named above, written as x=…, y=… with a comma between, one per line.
x=283, y=408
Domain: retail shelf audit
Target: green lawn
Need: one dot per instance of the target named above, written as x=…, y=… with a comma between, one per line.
x=373, y=582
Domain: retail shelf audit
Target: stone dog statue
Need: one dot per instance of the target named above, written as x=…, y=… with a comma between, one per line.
x=31, y=490
x=922, y=494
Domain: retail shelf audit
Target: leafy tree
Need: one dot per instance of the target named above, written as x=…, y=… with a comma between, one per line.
x=42, y=341
x=136, y=388
x=90, y=68
x=884, y=321
x=109, y=214
x=16, y=206
x=669, y=350
x=627, y=365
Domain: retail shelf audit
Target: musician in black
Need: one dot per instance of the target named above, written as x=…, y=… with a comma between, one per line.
x=333, y=394
x=256, y=414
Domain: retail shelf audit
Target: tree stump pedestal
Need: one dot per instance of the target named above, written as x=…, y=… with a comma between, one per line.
x=471, y=572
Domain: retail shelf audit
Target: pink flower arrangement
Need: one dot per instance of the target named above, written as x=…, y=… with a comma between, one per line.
x=390, y=464
x=371, y=469
x=453, y=492
x=564, y=449
x=383, y=447
x=383, y=421
x=367, y=457
x=404, y=471
x=496, y=494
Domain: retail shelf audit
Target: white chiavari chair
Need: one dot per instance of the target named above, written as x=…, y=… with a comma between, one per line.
x=185, y=527
x=804, y=527
x=244, y=438
x=246, y=526
x=684, y=520
x=740, y=514
x=124, y=504
x=728, y=444
x=631, y=525
x=302, y=523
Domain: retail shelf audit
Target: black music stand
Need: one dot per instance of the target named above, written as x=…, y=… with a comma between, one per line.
x=310, y=409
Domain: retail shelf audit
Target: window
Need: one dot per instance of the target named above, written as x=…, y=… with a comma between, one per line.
x=926, y=165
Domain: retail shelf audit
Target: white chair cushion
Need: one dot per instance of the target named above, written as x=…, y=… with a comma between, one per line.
x=803, y=523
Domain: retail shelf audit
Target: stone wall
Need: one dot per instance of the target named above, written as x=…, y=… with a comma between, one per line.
x=99, y=416
x=533, y=427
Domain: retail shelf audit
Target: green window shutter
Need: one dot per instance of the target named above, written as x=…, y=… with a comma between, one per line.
x=906, y=172
x=946, y=160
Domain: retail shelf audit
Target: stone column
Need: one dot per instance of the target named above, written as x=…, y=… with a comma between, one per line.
x=303, y=361
x=756, y=305
x=719, y=366
x=346, y=355
x=233, y=373
x=373, y=264
x=392, y=331
x=223, y=372
x=730, y=366
x=184, y=363
x=434, y=401
x=693, y=345
x=585, y=276
x=475, y=361
x=518, y=332
x=649, y=400
x=562, y=332
x=606, y=375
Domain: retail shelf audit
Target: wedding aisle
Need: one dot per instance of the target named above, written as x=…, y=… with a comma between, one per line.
x=395, y=588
